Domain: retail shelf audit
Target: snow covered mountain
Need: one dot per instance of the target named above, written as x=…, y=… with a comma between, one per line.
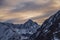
x=9, y=31
x=50, y=29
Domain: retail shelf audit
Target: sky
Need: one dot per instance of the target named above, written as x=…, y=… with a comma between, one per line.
x=19, y=11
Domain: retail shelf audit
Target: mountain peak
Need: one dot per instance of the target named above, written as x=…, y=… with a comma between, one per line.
x=18, y=31
x=29, y=20
x=29, y=23
x=59, y=11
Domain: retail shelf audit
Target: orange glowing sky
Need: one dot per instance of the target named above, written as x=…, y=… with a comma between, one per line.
x=19, y=11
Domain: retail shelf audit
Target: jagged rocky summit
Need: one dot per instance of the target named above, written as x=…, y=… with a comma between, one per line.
x=50, y=29
x=9, y=31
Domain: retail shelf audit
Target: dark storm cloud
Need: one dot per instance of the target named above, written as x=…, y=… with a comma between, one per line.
x=1, y=2
x=29, y=6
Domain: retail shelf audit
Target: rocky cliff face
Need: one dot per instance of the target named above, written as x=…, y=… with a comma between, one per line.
x=50, y=29
x=9, y=31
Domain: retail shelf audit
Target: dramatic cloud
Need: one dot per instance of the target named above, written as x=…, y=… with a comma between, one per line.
x=19, y=11
x=31, y=5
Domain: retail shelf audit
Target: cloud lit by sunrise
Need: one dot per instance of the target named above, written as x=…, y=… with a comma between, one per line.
x=20, y=11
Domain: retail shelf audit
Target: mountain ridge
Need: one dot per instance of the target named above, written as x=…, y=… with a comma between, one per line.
x=48, y=29
x=30, y=30
x=10, y=31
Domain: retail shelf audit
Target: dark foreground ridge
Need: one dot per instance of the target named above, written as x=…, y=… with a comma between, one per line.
x=50, y=29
